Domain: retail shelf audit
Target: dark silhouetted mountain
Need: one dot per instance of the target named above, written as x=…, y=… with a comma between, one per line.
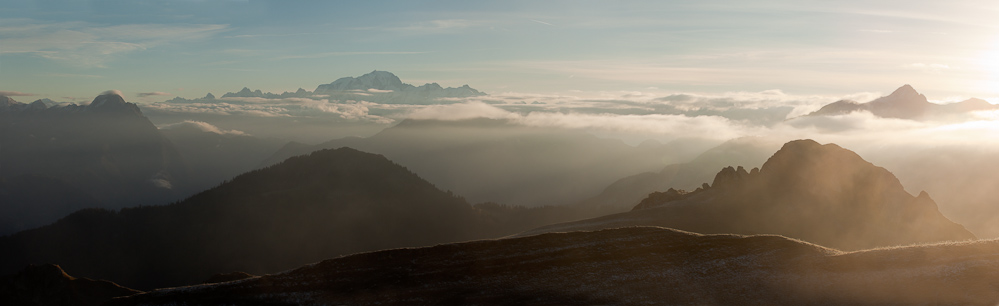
x=622, y=195
x=489, y=160
x=625, y=266
x=904, y=103
x=30, y=201
x=822, y=194
x=106, y=149
x=49, y=285
x=305, y=209
x=212, y=157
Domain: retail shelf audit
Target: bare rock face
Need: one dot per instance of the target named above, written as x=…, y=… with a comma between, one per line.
x=822, y=194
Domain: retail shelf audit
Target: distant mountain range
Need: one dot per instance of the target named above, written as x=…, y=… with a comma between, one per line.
x=305, y=209
x=212, y=157
x=106, y=150
x=822, y=194
x=624, y=266
x=493, y=160
x=376, y=86
x=904, y=103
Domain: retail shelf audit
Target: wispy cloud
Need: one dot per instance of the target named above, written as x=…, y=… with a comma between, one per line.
x=542, y=22
x=438, y=26
x=15, y=93
x=878, y=31
x=89, y=45
x=351, y=53
x=202, y=126
x=154, y=93
x=70, y=75
x=927, y=67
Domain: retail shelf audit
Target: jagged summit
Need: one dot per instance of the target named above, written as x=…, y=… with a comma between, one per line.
x=387, y=81
x=823, y=194
x=381, y=80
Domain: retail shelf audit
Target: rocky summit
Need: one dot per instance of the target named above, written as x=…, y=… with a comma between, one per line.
x=822, y=194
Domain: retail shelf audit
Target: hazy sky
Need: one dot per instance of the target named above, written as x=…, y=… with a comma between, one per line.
x=68, y=50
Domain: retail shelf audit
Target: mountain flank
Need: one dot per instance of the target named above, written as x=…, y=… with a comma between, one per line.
x=822, y=194
x=305, y=209
x=493, y=160
x=107, y=150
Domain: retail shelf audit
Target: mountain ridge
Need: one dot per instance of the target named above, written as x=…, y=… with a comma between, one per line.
x=903, y=103
x=823, y=194
x=304, y=209
x=622, y=266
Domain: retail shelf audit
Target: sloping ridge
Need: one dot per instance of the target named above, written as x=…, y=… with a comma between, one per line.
x=904, y=103
x=49, y=285
x=307, y=208
x=623, y=266
x=823, y=194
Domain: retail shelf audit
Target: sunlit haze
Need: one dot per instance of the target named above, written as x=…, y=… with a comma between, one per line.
x=499, y=152
x=64, y=50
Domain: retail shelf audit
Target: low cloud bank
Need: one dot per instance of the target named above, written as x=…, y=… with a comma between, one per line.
x=201, y=126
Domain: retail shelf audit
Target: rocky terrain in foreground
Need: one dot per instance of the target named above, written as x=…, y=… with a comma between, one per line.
x=637, y=265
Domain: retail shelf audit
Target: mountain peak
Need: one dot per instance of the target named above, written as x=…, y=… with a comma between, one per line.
x=112, y=101
x=905, y=91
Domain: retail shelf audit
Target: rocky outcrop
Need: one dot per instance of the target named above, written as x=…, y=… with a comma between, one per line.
x=823, y=194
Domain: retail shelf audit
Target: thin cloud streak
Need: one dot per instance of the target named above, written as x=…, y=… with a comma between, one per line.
x=15, y=93
x=333, y=54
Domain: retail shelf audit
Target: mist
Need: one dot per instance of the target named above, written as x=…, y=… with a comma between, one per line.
x=946, y=156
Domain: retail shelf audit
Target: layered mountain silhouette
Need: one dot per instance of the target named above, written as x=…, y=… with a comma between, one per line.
x=904, y=103
x=305, y=209
x=106, y=149
x=49, y=285
x=625, y=266
x=29, y=201
x=622, y=195
x=822, y=194
x=961, y=178
x=212, y=156
x=375, y=86
x=492, y=160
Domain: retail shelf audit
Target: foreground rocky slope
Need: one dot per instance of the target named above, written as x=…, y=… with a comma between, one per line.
x=49, y=285
x=822, y=194
x=640, y=265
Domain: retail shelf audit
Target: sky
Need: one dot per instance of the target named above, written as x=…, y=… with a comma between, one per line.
x=156, y=50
